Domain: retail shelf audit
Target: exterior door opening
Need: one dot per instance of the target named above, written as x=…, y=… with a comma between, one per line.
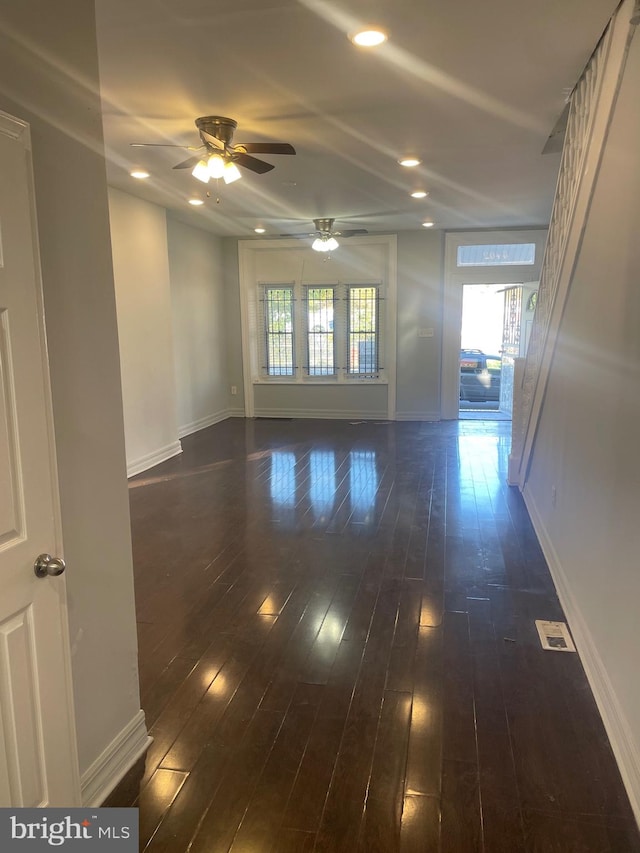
x=484, y=313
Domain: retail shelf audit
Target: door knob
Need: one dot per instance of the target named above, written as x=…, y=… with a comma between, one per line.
x=45, y=565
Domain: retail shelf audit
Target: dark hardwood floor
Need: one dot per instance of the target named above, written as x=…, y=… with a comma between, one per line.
x=338, y=651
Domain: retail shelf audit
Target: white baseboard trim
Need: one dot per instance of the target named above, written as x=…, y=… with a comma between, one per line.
x=622, y=741
x=203, y=423
x=418, y=416
x=324, y=414
x=117, y=759
x=137, y=466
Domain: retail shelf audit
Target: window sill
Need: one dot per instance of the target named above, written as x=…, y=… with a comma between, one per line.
x=311, y=381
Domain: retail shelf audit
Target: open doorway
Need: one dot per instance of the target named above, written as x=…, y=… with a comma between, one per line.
x=481, y=349
x=508, y=260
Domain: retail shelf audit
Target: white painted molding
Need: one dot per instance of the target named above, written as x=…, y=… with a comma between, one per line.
x=203, y=423
x=115, y=761
x=323, y=414
x=137, y=466
x=622, y=741
x=418, y=416
x=15, y=128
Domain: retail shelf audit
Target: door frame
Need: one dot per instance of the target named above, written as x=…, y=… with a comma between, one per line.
x=455, y=277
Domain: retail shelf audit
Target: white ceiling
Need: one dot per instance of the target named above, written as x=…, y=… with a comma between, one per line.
x=473, y=89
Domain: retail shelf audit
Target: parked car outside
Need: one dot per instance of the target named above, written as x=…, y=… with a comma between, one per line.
x=479, y=376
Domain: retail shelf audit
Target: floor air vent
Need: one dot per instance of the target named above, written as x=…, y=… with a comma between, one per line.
x=555, y=636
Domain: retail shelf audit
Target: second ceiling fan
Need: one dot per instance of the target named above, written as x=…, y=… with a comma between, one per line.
x=325, y=235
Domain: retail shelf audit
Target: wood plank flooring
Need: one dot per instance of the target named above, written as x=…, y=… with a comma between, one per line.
x=338, y=651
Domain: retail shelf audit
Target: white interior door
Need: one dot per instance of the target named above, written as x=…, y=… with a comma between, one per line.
x=38, y=761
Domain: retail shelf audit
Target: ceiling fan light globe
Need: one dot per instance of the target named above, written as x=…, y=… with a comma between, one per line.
x=215, y=166
x=201, y=172
x=231, y=173
x=324, y=244
x=369, y=37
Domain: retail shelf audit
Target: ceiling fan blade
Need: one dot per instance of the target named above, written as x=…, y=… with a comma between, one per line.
x=252, y=163
x=189, y=163
x=266, y=147
x=164, y=145
x=212, y=140
x=353, y=232
x=297, y=236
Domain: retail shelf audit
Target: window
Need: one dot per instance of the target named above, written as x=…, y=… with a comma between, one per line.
x=363, y=331
x=324, y=331
x=320, y=343
x=278, y=321
x=496, y=255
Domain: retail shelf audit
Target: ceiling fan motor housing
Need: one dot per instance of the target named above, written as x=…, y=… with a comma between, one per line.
x=324, y=225
x=219, y=126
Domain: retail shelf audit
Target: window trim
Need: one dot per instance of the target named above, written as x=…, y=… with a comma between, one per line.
x=377, y=252
x=308, y=331
x=265, y=334
x=341, y=374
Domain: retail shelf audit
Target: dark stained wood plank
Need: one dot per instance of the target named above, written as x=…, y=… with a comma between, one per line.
x=293, y=841
x=557, y=833
x=155, y=800
x=262, y=819
x=236, y=785
x=380, y=830
x=461, y=826
x=424, y=759
x=420, y=829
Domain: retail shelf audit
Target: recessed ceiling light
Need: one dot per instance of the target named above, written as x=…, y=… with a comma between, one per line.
x=369, y=37
x=409, y=162
x=419, y=194
x=259, y=230
x=196, y=202
x=139, y=173
x=427, y=223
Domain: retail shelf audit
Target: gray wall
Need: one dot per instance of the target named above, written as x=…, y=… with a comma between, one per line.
x=49, y=77
x=587, y=446
x=199, y=326
x=231, y=278
x=143, y=299
x=420, y=289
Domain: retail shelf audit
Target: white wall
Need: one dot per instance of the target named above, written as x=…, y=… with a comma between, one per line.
x=199, y=324
x=49, y=77
x=587, y=443
x=143, y=297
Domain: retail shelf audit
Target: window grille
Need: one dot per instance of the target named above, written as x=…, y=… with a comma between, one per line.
x=321, y=360
x=278, y=318
x=363, y=331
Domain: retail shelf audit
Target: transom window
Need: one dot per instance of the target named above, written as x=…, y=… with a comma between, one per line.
x=496, y=255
